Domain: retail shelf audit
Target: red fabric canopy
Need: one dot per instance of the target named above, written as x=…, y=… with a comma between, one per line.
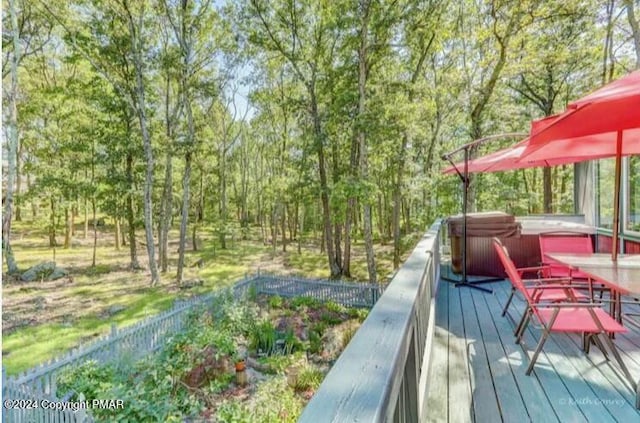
x=587, y=130
x=524, y=155
x=605, y=112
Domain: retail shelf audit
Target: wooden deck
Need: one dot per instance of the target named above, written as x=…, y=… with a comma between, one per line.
x=477, y=371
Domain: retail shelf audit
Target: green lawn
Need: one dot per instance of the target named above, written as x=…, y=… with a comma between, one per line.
x=42, y=320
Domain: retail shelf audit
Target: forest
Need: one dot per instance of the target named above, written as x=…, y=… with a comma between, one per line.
x=293, y=122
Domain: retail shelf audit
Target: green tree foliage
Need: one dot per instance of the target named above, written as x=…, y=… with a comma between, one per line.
x=315, y=122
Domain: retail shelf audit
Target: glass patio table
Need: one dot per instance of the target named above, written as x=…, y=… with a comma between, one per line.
x=622, y=277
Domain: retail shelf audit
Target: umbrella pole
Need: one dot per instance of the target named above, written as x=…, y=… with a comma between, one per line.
x=616, y=197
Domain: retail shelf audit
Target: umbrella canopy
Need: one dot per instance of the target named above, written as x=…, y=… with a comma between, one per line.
x=608, y=110
x=522, y=155
x=605, y=123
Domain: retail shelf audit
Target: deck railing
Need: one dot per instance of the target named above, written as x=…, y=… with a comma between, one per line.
x=382, y=375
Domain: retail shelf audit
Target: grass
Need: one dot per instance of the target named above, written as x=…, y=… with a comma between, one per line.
x=42, y=320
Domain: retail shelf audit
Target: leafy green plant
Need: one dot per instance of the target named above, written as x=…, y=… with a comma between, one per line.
x=308, y=378
x=277, y=364
x=298, y=302
x=315, y=343
x=276, y=301
x=347, y=335
x=233, y=412
x=291, y=342
x=330, y=318
x=334, y=307
x=262, y=338
x=90, y=378
x=358, y=313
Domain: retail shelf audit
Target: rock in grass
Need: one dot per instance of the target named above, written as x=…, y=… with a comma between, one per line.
x=191, y=283
x=58, y=273
x=46, y=271
x=115, y=309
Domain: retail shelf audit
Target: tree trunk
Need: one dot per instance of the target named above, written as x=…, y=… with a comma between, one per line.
x=635, y=29
x=283, y=225
x=547, y=195
x=74, y=213
x=166, y=208
x=397, y=200
x=85, y=233
x=52, y=223
x=324, y=188
x=18, y=207
x=300, y=231
x=34, y=203
x=67, y=227
x=362, y=81
x=137, y=57
x=118, y=235
x=95, y=232
x=186, y=180
x=12, y=141
x=131, y=222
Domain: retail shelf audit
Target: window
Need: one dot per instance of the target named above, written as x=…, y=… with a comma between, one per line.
x=632, y=220
x=606, y=183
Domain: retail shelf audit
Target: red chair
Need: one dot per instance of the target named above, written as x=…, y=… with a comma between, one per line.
x=569, y=316
x=560, y=293
x=552, y=243
x=566, y=243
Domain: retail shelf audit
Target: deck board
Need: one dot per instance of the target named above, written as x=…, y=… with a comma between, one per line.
x=438, y=389
x=483, y=369
x=459, y=387
x=533, y=395
x=484, y=401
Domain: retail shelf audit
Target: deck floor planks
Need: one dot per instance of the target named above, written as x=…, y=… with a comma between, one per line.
x=437, y=404
x=567, y=361
x=608, y=391
x=566, y=383
x=509, y=396
x=459, y=386
x=534, y=396
x=484, y=399
x=616, y=387
x=560, y=397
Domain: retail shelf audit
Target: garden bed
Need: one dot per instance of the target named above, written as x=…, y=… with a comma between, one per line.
x=285, y=346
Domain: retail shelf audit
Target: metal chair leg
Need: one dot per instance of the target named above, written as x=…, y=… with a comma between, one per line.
x=546, y=331
x=506, y=306
x=523, y=325
x=533, y=359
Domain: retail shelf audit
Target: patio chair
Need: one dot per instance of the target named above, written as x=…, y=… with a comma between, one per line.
x=567, y=243
x=560, y=293
x=569, y=316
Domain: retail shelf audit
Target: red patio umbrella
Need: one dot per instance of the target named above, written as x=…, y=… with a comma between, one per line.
x=606, y=123
x=523, y=155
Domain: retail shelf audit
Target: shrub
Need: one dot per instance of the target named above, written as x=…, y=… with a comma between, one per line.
x=330, y=319
x=291, y=342
x=263, y=338
x=299, y=302
x=358, y=313
x=334, y=307
x=309, y=378
x=315, y=342
x=90, y=378
x=276, y=301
